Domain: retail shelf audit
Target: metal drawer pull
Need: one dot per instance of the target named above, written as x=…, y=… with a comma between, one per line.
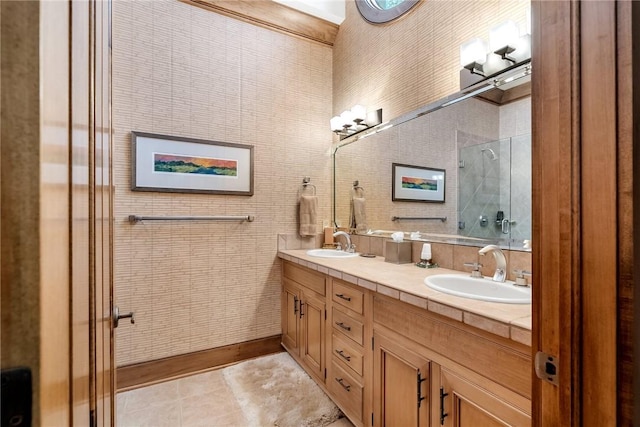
x=344, y=386
x=343, y=297
x=343, y=326
x=345, y=357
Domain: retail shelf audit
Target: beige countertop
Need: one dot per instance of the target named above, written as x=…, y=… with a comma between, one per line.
x=406, y=283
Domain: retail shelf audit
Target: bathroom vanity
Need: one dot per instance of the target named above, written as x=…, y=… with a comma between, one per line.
x=391, y=351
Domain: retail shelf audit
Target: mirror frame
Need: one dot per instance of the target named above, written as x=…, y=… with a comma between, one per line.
x=376, y=15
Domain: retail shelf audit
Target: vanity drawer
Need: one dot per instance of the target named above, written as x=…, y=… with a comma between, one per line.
x=348, y=326
x=308, y=278
x=346, y=391
x=347, y=354
x=348, y=296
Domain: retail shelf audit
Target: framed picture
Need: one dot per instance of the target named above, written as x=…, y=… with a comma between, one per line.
x=417, y=184
x=187, y=165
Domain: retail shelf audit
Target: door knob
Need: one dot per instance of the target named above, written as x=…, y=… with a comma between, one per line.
x=117, y=316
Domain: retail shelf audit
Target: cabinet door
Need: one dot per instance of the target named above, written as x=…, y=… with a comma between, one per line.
x=401, y=385
x=290, y=316
x=312, y=318
x=468, y=404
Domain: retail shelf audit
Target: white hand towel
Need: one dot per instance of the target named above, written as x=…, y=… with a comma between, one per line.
x=308, y=215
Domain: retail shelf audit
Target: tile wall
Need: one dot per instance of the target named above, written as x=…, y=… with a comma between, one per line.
x=181, y=70
x=413, y=61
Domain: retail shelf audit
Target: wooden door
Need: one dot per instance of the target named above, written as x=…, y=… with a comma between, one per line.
x=312, y=318
x=582, y=96
x=401, y=382
x=59, y=274
x=290, y=316
x=101, y=213
x=462, y=403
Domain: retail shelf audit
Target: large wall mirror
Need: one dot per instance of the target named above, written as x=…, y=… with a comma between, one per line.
x=482, y=142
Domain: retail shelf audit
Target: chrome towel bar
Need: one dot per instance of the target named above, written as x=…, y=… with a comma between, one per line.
x=135, y=218
x=436, y=218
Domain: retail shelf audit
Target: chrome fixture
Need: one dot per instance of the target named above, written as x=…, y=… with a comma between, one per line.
x=476, y=269
x=117, y=316
x=508, y=47
x=350, y=247
x=501, y=262
x=490, y=153
x=134, y=219
x=355, y=120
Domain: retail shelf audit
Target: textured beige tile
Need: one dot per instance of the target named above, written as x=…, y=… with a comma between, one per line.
x=488, y=325
x=413, y=300
x=367, y=284
x=349, y=278
x=442, y=254
x=521, y=335
x=335, y=273
x=445, y=310
x=390, y=292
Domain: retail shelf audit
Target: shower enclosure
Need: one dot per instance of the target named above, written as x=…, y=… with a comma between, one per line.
x=494, y=197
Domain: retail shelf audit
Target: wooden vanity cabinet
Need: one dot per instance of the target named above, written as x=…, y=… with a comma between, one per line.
x=348, y=369
x=429, y=370
x=388, y=363
x=304, y=317
x=466, y=404
x=401, y=383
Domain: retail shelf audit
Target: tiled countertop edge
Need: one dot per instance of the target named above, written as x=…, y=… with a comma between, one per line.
x=518, y=333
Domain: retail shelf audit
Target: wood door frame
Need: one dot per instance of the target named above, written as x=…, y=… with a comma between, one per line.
x=582, y=229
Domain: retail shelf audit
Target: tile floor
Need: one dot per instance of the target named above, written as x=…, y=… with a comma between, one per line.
x=202, y=400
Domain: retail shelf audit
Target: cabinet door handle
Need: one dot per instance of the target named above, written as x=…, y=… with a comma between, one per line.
x=295, y=305
x=343, y=326
x=443, y=415
x=344, y=356
x=343, y=384
x=343, y=297
x=301, y=305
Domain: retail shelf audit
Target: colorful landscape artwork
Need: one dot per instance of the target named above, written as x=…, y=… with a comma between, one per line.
x=419, y=183
x=194, y=165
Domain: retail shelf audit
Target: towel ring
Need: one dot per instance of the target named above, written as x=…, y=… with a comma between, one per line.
x=356, y=186
x=306, y=183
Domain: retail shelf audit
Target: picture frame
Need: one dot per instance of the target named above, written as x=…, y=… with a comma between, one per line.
x=417, y=184
x=175, y=164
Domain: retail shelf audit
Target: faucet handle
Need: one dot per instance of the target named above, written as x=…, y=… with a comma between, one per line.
x=338, y=246
x=521, y=277
x=476, y=268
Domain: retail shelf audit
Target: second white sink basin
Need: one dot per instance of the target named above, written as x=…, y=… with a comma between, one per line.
x=479, y=288
x=331, y=253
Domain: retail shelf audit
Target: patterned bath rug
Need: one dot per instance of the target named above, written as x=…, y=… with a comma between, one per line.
x=274, y=391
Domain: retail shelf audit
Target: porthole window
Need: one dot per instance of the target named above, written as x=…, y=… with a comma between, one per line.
x=381, y=11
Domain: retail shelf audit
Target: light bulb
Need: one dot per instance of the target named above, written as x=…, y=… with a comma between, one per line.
x=359, y=112
x=347, y=118
x=505, y=34
x=336, y=123
x=474, y=50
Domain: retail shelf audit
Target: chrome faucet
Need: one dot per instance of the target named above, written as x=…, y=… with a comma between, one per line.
x=501, y=262
x=350, y=247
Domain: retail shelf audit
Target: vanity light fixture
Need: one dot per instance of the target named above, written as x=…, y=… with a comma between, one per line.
x=473, y=54
x=355, y=120
x=507, y=49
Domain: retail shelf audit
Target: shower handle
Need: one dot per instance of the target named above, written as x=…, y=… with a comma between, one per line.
x=117, y=316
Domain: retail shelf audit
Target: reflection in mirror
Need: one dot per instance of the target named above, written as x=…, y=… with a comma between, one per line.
x=494, y=190
x=485, y=149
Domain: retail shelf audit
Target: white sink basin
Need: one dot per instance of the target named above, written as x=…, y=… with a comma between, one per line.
x=331, y=253
x=479, y=288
